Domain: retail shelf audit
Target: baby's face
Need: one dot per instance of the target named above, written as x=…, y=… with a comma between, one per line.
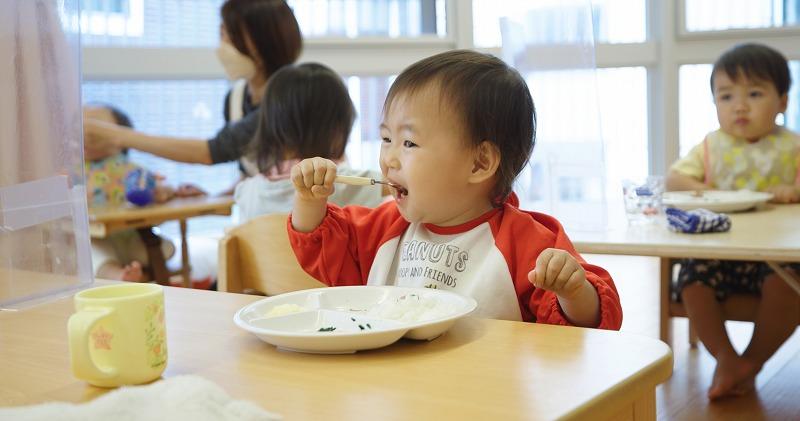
x=101, y=114
x=747, y=108
x=425, y=151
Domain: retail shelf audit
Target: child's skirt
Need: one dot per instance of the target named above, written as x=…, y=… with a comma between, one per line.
x=725, y=276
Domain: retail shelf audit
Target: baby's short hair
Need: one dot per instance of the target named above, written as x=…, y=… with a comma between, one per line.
x=490, y=98
x=754, y=61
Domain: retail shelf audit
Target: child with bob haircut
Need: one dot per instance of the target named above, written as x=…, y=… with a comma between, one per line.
x=750, y=83
x=306, y=111
x=457, y=129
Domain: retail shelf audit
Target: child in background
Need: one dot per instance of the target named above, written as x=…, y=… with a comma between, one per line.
x=458, y=128
x=122, y=254
x=306, y=112
x=749, y=151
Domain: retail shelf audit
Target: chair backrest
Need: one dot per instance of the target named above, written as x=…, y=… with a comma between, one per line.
x=257, y=255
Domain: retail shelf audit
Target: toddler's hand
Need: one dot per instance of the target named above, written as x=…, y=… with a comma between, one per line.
x=189, y=190
x=313, y=178
x=163, y=193
x=557, y=271
x=785, y=194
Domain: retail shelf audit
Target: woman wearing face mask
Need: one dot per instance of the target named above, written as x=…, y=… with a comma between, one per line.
x=257, y=37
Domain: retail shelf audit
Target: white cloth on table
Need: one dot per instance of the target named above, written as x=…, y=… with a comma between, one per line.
x=189, y=398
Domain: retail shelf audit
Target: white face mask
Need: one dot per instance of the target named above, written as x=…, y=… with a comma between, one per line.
x=236, y=64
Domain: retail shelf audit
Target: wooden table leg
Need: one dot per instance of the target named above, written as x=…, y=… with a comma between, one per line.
x=644, y=409
x=186, y=270
x=665, y=278
x=793, y=282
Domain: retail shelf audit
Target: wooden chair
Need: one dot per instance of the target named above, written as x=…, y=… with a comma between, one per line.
x=256, y=255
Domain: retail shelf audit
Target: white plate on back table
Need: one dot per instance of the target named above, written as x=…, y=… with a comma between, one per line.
x=348, y=319
x=716, y=200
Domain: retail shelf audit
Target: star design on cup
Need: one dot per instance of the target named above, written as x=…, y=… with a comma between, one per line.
x=102, y=338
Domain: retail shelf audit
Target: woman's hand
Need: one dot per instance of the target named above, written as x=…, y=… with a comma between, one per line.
x=100, y=139
x=313, y=178
x=785, y=194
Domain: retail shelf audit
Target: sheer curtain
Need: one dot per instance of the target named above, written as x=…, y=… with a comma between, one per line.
x=42, y=200
x=552, y=44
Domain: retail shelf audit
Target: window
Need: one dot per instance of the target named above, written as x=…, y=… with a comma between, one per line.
x=592, y=123
x=368, y=94
x=717, y=15
x=376, y=18
x=582, y=153
x=614, y=21
x=195, y=23
x=173, y=23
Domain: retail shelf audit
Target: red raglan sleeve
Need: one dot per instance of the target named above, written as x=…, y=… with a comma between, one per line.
x=341, y=250
x=526, y=235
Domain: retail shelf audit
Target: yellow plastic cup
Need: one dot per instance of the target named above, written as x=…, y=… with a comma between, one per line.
x=117, y=335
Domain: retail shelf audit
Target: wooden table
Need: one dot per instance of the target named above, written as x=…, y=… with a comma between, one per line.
x=107, y=220
x=480, y=369
x=771, y=234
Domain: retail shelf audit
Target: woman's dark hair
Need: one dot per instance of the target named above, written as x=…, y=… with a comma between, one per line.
x=490, y=98
x=754, y=61
x=271, y=27
x=306, y=112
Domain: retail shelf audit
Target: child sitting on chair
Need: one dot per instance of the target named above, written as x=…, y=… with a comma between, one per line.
x=122, y=254
x=458, y=128
x=306, y=111
x=750, y=83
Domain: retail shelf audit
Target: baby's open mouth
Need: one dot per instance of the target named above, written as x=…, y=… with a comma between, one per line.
x=399, y=190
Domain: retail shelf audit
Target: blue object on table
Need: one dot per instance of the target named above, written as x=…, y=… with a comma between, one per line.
x=697, y=221
x=140, y=187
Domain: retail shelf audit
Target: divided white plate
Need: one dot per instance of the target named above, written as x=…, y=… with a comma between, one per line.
x=716, y=200
x=349, y=319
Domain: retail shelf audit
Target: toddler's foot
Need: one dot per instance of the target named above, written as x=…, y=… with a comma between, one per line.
x=734, y=376
x=132, y=272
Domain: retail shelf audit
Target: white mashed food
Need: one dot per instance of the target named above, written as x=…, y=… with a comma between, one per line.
x=412, y=308
x=283, y=309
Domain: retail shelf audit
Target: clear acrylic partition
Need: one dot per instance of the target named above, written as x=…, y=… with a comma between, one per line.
x=551, y=43
x=44, y=237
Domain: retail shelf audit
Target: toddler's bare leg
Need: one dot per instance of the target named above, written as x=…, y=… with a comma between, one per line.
x=113, y=270
x=706, y=315
x=776, y=320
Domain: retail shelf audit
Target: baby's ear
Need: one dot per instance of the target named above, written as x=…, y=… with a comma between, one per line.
x=486, y=160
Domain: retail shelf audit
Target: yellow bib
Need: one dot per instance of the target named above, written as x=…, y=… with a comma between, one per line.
x=733, y=163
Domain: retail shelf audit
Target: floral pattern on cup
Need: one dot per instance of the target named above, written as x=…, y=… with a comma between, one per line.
x=155, y=335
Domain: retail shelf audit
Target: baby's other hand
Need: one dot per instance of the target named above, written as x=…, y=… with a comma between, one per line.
x=785, y=194
x=559, y=272
x=189, y=190
x=313, y=178
x=163, y=193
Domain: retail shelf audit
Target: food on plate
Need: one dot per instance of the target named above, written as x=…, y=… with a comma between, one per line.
x=412, y=308
x=284, y=309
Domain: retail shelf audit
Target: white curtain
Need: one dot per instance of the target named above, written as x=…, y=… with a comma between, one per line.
x=551, y=43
